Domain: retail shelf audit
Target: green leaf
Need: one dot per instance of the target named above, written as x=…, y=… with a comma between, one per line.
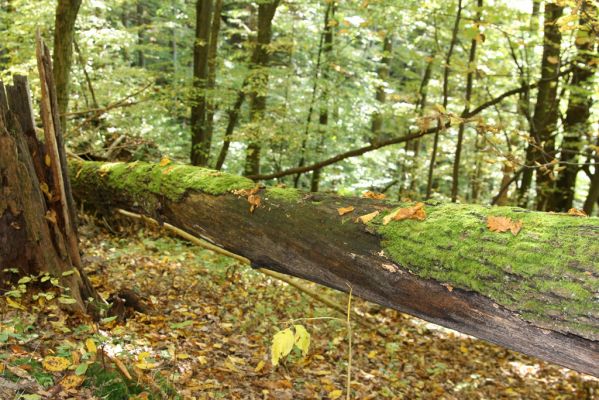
x=107, y=320
x=25, y=279
x=282, y=344
x=81, y=369
x=181, y=324
x=67, y=300
x=302, y=339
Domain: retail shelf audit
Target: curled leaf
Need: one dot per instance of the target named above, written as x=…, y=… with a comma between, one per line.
x=373, y=195
x=577, y=213
x=367, y=217
x=415, y=212
x=345, y=210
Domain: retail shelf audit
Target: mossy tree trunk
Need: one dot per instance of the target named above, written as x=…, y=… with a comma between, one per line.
x=534, y=292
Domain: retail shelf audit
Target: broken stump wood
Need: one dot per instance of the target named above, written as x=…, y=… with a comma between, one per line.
x=536, y=292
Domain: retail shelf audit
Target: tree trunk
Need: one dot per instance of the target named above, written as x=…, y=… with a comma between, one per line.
x=467, y=99
x=323, y=117
x=36, y=217
x=446, y=70
x=533, y=292
x=64, y=30
x=200, y=140
x=578, y=113
x=259, y=85
x=380, y=96
x=546, y=108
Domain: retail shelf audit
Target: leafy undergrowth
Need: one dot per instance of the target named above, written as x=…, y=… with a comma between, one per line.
x=209, y=331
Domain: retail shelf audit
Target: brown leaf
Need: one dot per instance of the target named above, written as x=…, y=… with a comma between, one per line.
x=345, y=210
x=415, y=212
x=254, y=201
x=373, y=195
x=577, y=213
x=504, y=224
x=367, y=217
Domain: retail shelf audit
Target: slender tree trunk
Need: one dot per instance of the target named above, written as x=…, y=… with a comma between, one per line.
x=139, y=14
x=200, y=141
x=468, y=97
x=259, y=65
x=64, y=29
x=233, y=118
x=446, y=69
x=577, y=114
x=420, y=107
x=212, y=66
x=380, y=96
x=546, y=108
x=323, y=118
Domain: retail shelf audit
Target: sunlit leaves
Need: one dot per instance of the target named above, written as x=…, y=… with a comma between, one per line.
x=284, y=341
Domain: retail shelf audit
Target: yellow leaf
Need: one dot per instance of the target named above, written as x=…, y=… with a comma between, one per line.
x=302, y=339
x=345, y=210
x=414, y=212
x=372, y=354
x=14, y=304
x=47, y=160
x=552, y=60
x=368, y=217
x=202, y=360
x=335, y=394
x=164, y=162
x=282, y=344
x=72, y=381
x=91, y=346
x=254, y=201
x=259, y=366
x=55, y=364
x=373, y=195
x=577, y=213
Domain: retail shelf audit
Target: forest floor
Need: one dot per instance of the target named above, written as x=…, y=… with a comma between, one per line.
x=210, y=329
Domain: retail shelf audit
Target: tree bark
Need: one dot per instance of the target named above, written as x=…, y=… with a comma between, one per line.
x=200, y=138
x=467, y=99
x=533, y=292
x=546, y=107
x=446, y=70
x=578, y=112
x=36, y=221
x=64, y=30
x=259, y=85
x=380, y=95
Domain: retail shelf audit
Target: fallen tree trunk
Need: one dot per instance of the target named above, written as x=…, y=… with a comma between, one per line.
x=536, y=292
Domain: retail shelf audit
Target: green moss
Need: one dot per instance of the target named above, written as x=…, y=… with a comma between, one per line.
x=286, y=194
x=171, y=180
x=550, y=266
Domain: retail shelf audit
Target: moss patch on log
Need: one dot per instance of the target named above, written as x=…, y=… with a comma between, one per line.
x=285, y=194
x=170, y=180
x=549, y=271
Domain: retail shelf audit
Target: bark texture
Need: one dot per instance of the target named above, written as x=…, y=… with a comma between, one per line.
x=259, y=82
x=64, y=30
x=535, y=292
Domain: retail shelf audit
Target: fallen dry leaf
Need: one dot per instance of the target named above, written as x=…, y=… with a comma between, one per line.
x=367, y=217
x=504, y=224
x=577, y=213
x=345, y=210
x=254, y=201
x=415, y=212
x=373, y=195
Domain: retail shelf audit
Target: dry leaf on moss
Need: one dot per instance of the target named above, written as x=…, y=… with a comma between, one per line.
x=345, y=210
x=415, y=212
x=373, y=195
x=577, y=213
x=367, y=217
x=504, y=224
